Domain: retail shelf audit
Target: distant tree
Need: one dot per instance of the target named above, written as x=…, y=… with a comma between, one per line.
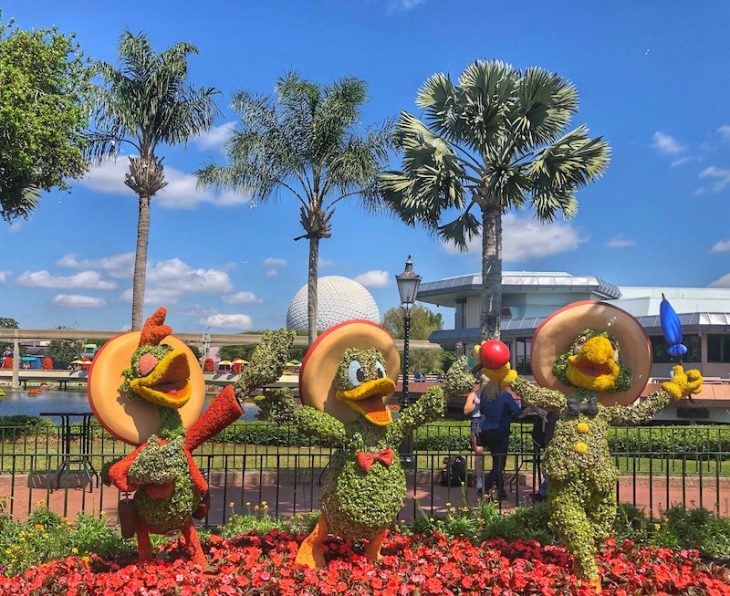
x=44, y=92
x=7, y=323
x=423, y=322
x=494, y=141
x=306, y=142
x=245, y=351
x=63, y=351
x=196, y=351
x=145, y=103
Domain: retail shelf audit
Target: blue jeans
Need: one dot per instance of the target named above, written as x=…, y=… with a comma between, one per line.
x=497, y=442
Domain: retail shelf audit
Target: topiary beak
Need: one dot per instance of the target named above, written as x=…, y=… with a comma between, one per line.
x=167, y=384
x=367, y=400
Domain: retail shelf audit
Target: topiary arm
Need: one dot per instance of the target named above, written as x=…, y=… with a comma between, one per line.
x=428, y=408
x=540, y=397
x=682, y=384
x=266, y=363
x=309, y=421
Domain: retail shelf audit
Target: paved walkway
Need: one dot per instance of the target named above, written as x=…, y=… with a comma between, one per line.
x=290, y=494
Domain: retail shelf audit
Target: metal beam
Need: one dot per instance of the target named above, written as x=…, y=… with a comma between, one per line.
x=216, y=339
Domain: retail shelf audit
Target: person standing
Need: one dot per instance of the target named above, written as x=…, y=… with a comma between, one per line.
x=497, y=408
x=472, y=408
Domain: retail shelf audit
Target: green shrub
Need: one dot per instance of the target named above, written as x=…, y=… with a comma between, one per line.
x=700, y=529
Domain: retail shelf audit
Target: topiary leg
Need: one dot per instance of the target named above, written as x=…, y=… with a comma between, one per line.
x=311, y=551
x=569, y=521
x=372, y=551
x=601, y=513
x=195, y=550
x=144, y=546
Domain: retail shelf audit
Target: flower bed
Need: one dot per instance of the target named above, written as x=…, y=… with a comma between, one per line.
x=417, y=563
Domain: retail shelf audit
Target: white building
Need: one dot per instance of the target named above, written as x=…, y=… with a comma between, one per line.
x=528, y=297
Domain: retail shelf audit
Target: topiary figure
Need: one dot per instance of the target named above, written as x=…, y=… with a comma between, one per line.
x=344, y=380
x=592, y=360
x=157, y=408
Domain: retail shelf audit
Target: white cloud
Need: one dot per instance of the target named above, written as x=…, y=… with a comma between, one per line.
x=403, y=5
x=525, y=238
x=241, y=298
x=326, y=262
x=721, y=246
x=78, y=301
x=4, y=276
x=724, y=132
x=118, y=266
x=722, y=282
x=167, y=280
x=374, y=279
x=237, y=322
x=720, y=175
x=666, y=144
x=16, y=226
x=181, y=191
x=271, y=272
x=683, y=160
x=216, y=137
x=619, y=241
x=89, y=280
x=275, y=262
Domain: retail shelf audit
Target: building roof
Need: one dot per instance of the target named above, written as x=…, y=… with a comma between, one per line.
x=445, y=292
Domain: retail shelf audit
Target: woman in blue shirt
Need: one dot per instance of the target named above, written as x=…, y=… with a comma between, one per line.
x=497, y=408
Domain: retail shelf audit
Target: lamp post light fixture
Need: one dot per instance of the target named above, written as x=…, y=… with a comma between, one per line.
x=408, y=283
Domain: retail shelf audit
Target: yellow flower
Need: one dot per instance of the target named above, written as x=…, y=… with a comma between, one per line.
x=39, y=526
x=41, y=503
x=74, y=551
x=657, y=527
x=231, y=504
x=248, y=503
x=582, y=427
x=447, y=504
x=85, y=559
x=264, y=503
x=581, y=447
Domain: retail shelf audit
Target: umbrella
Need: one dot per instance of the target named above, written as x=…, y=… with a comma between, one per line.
x=239, y=361
x=293, y=363
x=224, y=363
x=77, y=361
x=28, y=358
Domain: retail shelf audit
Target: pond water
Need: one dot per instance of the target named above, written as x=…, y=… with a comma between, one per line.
x=18, y=402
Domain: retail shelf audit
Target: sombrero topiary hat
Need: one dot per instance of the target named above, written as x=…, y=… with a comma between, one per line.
x=558, y=332
x=125, y=415
x=317, y=373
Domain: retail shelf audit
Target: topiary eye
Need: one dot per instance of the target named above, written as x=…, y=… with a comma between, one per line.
x=147, y=363
x=380, y=369
x=355, y=373
x=579, y=344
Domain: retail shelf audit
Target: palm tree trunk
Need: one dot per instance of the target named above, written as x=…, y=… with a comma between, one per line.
x=140, y=261
x=491, y=303
x=312, y=287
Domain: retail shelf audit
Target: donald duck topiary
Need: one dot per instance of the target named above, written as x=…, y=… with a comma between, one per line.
x=345, y=377
x=146, y=388
x=591, y=360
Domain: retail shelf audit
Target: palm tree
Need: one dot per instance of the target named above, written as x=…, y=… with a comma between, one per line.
x=144, y=103
x=304, y=141
x=495, y=141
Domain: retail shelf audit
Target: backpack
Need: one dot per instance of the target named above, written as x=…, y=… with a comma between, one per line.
x=454, y=472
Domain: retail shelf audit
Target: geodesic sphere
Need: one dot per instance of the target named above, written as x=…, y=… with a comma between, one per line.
x=339, y=299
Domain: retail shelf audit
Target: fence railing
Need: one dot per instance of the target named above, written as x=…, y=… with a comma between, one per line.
x=658, y=469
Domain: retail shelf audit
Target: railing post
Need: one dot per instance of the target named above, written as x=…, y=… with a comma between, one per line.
x=15, y=384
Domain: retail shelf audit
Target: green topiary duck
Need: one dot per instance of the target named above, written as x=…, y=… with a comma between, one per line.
x=345, y=378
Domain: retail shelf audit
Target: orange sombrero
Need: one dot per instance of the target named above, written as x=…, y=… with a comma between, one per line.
x=317, y=373
x=128, y=417
x=558, y=332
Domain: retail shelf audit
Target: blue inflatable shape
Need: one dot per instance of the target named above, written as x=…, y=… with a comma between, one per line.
x=672, y=329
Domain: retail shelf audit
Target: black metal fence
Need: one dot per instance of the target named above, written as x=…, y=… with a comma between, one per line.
x=660, y=467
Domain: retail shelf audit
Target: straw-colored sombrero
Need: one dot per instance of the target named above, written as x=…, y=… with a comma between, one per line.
x=317, y=373
x=557, y=333
x=131, y=418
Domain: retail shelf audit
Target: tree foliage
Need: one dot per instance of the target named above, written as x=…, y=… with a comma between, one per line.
x=44, y=93
x=423, y=322
x=493, y=141
x=305, y=141
x=63, y=351
x=7, y=323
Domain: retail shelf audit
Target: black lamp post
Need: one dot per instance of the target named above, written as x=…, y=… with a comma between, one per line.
x=408, y=283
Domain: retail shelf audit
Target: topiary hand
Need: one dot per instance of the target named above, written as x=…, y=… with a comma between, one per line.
x=459, y=379
x=505, y=376
x=683, y=384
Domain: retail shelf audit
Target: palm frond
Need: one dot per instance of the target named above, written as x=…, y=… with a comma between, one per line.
x=460, y=231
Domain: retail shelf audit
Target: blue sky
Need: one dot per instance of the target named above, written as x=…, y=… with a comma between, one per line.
x=652, y=77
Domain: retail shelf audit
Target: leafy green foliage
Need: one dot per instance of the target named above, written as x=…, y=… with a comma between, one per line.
x=423, y=322
x=44, y=92
x=277, y=405
x=267, y=362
